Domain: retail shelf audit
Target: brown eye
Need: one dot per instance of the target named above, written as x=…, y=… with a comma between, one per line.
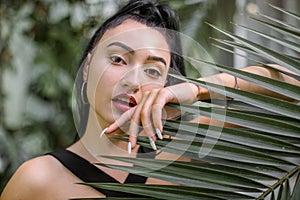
x=117, y=60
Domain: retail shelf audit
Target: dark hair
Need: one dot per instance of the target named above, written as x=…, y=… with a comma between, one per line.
x=148, y=12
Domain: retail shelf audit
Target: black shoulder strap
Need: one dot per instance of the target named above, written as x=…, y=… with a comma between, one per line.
x=87, y=172
x=143, y=152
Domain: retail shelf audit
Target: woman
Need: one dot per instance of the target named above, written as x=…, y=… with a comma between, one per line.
x=129, y=56
x=123, y=75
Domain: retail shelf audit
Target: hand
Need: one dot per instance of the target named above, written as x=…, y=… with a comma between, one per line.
x=149, y=112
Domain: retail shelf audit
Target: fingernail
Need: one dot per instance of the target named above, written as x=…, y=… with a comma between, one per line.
x=129, y=148
x=102, y=132
x=158, y=133
x=152, y=143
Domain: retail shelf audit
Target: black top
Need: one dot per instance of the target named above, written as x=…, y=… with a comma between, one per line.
x=87, y=172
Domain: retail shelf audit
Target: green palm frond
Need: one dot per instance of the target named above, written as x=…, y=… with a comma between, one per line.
x=283, y=60
x=260, y=160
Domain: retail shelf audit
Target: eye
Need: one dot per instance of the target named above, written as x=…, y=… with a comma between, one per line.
x=153, y=72
x=117, y=60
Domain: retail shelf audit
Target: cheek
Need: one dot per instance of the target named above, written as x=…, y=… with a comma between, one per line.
x=106, y=85
x=149, y=87
x=100, y=86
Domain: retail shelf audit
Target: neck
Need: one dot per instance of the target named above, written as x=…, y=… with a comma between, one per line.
x=98, y=147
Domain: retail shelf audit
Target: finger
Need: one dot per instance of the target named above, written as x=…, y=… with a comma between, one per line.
x=151, y=139
x=133, y=132
x=152, y=143
x=125, y=117
x=146, y=119
x=135, y=121
x=146, y=114
x=158, y=105
x=157, y=120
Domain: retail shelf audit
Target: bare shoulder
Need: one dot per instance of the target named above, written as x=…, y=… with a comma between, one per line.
x=32, y=179
x=39, y=170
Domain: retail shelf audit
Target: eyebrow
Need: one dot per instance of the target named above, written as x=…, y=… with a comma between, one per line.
x=124, y=46
x=131, y=51
x=156, y=58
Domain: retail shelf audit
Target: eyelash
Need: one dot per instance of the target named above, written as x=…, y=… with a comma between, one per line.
x=153, y=72
x=114, y=61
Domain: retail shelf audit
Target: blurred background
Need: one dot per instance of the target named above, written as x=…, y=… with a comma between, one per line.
x=41, y=42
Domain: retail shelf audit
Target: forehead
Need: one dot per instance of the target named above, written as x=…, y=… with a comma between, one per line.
x=136, y=35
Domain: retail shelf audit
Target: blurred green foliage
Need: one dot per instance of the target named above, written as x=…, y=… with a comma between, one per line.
x=41, y=43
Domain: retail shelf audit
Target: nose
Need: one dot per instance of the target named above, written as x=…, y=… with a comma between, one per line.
x=131, y=81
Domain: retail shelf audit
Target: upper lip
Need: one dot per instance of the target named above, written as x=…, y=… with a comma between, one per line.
x=126, y=98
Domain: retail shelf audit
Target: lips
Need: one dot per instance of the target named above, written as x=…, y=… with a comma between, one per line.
x=124, y=102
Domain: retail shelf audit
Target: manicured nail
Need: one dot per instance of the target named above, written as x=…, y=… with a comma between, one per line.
x=129, y=148
x=102, y=132
x=158, y=133
x=152, y=143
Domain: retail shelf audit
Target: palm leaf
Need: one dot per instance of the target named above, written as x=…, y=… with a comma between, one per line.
x=293, y=15
x=266, y=124
x=258, y=160
x=268, y=83
x=268, y=103
x=289, y=44
x=285, y=31
x=268, y=53
x=170, y=192
x=296, y=191
x=232, y=135
x=295, y=76
x=290, y=27
x=248, y=50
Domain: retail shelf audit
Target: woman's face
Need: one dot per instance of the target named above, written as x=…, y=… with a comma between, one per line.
x=129, y=60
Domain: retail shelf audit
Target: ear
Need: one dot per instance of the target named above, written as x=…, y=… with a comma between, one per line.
x=86, y=66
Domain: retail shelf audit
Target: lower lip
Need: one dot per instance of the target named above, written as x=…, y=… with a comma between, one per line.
x=120, y=106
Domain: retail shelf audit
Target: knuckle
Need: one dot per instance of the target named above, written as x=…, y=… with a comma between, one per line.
x=162, y=91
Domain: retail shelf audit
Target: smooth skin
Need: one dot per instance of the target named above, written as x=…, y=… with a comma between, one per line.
x=109, y=71
x=136, y=67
